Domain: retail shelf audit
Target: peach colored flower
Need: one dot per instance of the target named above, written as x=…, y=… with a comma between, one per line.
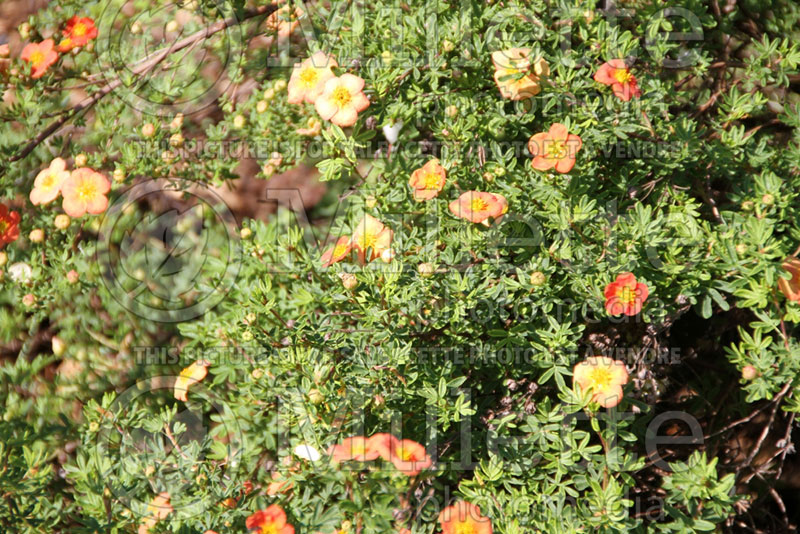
x=371, y=234
x=616, y=74
x=189, y=376
x=40, y=56
x=464, y=518
x=271, y=520
x=283, y=21
x=356, y=448
x=791, y=287
x=337, y=252
x=309, y=77
x=555, y=148
x=85, y=192
x=604, y=377
x=478, y=207
x=9, y=225
x=428, y=180
x=342, y=99
x=47, y=184
x=79, y=31
x=516, y=75
x=409, y=457
x=158, y=509
x=625, y=296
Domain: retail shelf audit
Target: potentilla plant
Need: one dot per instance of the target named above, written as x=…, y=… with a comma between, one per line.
x=434, y=266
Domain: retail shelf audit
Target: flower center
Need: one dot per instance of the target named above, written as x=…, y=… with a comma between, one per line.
x=463, y=527
x=3, y=226
x=37, y=57
x=623, y=76
x=87, y=191
x=431, y=180
x=405, y=454
x=269, y=529
x=339, y=250
x=341, y=96
x=600, y=377
x=627, y=295
x=556, y=149
x=49, y=181
x=80, y=29
x=368, y=240
x=309, y=76
x=478, y=204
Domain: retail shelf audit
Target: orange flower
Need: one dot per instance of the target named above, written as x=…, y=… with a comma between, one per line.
x=371, y=234
x=357, y=448
x=272, y=520
x=791, y=288
x=604, y=377
x=477, y=207
x=85, y=192
x=283, y=21
x=158, y=509
x=79, y=31
x=40, y=56
x=616, y=74
x=9, y=225
x=342, y=99
x=464, y=518
x=428, y=180
x=47, y=185
x=555, y=148
x=337, y=252
x=189, y=376
x=625, y=296
x=309, y=77
x=383, y=444
x=409, y=457
x=516, y=76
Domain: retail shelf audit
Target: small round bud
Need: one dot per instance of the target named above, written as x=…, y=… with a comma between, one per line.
x=3, y=258
x=370, y=201
x=349, y=280
x=245, y=233
x=261, y=106
x=176, y=140
x=29, y=300
x=741, y=248
x=499, y=171
x=148, y=130
x=239, y=121
x=24, y=30
x=177, y=122
x=36, y=235
x=81, y=160
x=749, y=372
x=538, y=278
x=136, y=28
x=62, y=221
x=167, y=156
x=445, y=132
x=448, y=46
x=269, y=94
x=315, y=396
x=280, y=85
x=119, y=175
x=747, y=205
x=387, y=255
x=488, y=176
x=58, y=345
x=250, y=318
x=247, y=335
x=425, y=270
x=451, y=111
x=768, y=199
x=386, y=57
x=257, y=373
x=72, y=276
x=172, y=26
x=94, y=426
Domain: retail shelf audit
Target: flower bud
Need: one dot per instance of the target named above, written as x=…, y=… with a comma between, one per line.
x=261, y=106
x=36, y=235
x=269, y=94
x=451, y=111
x=315, y=396
x=768, y=199
x=749, y=372
x=448, y=46
x=245, y=233
x=741, y=248
x=280, y=85
x=538, y=278
x=172, y=26
x=387, y=255
x=247, y=335
x=167, y=156
x=257, y=373
x=177, y=122
x=239, y=121
x=747, y=205
x=119, y=175
x=426, y=270
x=370, y=201
x=136, y=28
x=349, y=280
x=72, y=276
x=81, y=160
x=58, y=345
x=3, y=258
x=29, y=300
x=176, y=140
x=24, y=30
x=148, y=130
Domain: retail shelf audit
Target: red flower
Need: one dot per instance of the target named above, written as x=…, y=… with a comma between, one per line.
x=555, y=148
x=270, y=521
x=9, y=225
x=616, y=74
x=79, y=31
x=409, y=457
x=40, y=56
x=625, y=296
x=464, y=518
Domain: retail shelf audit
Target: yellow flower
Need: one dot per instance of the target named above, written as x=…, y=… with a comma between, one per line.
x=604, y=377
x=47, y=184
x=371, y=234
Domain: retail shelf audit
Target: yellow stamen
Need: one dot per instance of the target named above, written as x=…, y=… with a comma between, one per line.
x=37, y=57
x=341, y=96
x=478, y=204
x=623, y=75
x=87, y=190
x=431, y=180
x=556, y=149
x=627, y=295
x=600, y=377
x=309, y=76
x=80, y=29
